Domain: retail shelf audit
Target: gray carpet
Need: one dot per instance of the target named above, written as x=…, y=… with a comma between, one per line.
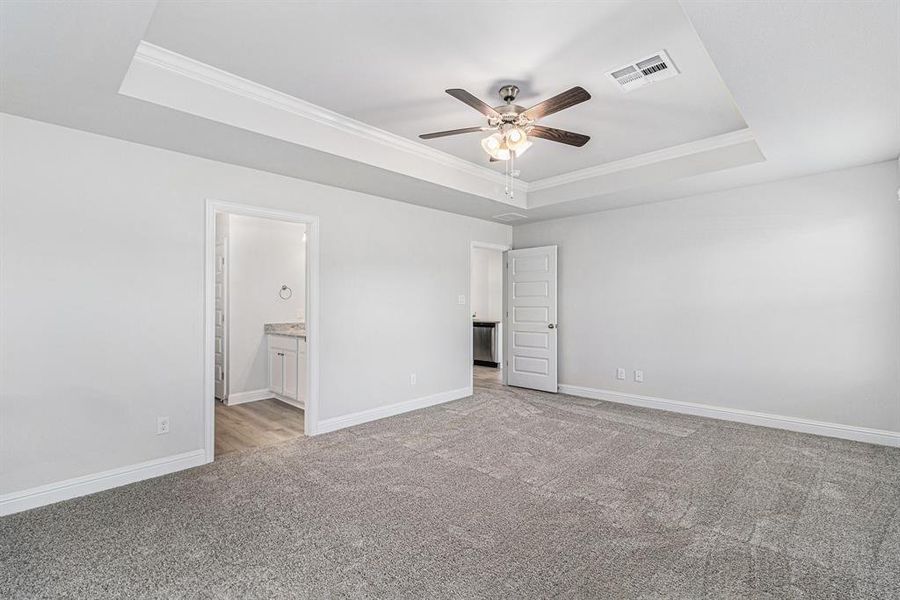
x=507, y=494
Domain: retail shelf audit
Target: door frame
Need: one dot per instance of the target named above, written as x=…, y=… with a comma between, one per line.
x=504, y=248
x=213, y=207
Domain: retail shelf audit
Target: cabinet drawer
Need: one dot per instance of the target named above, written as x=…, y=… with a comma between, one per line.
x=283, y=342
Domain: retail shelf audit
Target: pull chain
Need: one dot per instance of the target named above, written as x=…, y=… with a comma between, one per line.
x=510, y=175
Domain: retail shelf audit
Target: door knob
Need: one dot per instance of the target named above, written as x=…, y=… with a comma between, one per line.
x=551, y=325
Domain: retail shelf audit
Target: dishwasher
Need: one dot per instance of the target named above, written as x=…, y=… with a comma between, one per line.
x=486, y=349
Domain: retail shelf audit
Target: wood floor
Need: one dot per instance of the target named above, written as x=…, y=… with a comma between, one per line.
x=486, y=375
x=255, y=424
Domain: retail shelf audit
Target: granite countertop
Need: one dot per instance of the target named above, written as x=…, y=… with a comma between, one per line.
x=485, y=321
x=297, y=329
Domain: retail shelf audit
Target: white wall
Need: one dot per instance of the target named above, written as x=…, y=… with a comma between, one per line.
x=101, y=297
x=263, y=255
x=781, y=298
x=487, y=284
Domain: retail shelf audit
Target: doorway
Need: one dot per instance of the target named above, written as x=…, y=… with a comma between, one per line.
x=487, y=311
x=261, y=383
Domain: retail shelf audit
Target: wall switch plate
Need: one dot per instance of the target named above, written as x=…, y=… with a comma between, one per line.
x=639, y=376
x=412, y=379
x=620, y=373
x=162, y=425
x=461, y=299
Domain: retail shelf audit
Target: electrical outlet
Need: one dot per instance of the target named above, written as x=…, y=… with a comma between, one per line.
x=412, y=379
x=639, y=376
x=620, y=373
x=162, y=425
x=461, y=299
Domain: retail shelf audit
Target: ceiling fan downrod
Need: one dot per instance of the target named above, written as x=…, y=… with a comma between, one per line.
x=508, y=93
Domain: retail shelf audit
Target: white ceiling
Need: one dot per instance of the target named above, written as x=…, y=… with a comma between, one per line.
x=388, y=65
x=818, y=83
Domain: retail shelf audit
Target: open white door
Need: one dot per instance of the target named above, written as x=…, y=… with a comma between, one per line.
x=221, y=322
x=531, y=318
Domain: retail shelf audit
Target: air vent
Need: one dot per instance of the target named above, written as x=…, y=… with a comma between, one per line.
x=506, y=217
x=644, y=72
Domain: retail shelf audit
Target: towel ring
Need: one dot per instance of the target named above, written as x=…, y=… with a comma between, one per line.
x=285, y=292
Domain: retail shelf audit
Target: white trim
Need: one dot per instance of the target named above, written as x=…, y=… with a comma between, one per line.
x=502, y=248
x=97, y=482
x=715, y=142
x=176, y=68
x=262, y=394
x=836, y=430
x=193, y=69
x=251, y=396
x=491, y=246
x=295, y=403
x=373, y=414
x=310, y=421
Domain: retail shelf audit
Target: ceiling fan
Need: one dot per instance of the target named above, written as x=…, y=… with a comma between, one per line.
x=513, y=124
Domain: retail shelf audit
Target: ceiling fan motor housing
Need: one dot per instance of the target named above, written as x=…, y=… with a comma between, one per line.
x=509, y=112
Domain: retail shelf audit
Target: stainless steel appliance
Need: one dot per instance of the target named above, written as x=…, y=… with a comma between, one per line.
x=486, y=346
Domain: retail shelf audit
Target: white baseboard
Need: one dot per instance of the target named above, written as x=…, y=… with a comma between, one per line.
x=390, y=410
x=251, y=396
x=97, y=482
x=836, y=430
x=296, y=403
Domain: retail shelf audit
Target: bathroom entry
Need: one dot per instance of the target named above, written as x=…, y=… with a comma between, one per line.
x=260, y=366
x=486, y=305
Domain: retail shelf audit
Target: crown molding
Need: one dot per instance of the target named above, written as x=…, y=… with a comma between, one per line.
x=184, y=66
x=642, y=160
x=177, y=81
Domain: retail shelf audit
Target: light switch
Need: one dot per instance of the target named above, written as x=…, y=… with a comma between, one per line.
x=461, y=300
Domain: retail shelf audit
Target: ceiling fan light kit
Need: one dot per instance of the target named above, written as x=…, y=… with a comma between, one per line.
x=496, y=146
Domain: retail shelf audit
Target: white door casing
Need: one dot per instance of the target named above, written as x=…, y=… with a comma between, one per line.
x=531, y=318
x=309, y=370
x=221, y=348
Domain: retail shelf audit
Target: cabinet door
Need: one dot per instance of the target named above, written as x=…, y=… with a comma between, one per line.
x=276, y=370
x=290, y=374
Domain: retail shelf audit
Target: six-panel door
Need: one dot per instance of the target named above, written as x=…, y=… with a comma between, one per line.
x=531, y=317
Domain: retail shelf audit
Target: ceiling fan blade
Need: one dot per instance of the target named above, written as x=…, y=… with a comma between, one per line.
x=559, y=135
x=482, y=107
x=571, y=97
x=437, y=134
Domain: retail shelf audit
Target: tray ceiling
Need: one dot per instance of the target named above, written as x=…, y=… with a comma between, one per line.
x=387, y=65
